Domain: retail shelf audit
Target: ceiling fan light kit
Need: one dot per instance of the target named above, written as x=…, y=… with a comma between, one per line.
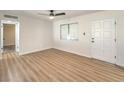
x=52, y=14
x=51, y=17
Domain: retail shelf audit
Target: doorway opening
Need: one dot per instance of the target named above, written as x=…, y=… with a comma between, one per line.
x=9, y=36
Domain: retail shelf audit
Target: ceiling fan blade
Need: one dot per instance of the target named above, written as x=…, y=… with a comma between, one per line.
x=59, y=14
x=43, y=14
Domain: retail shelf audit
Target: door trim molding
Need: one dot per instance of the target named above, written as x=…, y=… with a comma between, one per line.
x=17, y=31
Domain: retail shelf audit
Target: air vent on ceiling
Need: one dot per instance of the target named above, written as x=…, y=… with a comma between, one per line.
x=11, y=16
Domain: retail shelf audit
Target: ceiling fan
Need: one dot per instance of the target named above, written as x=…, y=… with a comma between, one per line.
x=52, y=14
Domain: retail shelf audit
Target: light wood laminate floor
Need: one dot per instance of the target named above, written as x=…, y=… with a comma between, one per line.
x=53, y=65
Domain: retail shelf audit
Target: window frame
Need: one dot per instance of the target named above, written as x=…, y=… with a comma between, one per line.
x=68, y=24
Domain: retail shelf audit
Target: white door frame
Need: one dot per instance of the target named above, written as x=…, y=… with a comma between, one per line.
x=17, y=32
x=115, y=38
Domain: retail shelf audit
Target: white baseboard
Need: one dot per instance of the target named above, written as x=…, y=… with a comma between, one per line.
x=37, y=50
x=74, y=52
x=33, y=51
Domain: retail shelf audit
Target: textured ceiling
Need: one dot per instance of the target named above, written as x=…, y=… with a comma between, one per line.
x=69, y=13
x=34, y=13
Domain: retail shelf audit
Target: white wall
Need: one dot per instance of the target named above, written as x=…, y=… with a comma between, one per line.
x=9, y=34
x=35, y=33
x=83, y=46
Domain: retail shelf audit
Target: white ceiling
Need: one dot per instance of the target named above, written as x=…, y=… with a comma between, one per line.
x=69, y=13
x=34, y=13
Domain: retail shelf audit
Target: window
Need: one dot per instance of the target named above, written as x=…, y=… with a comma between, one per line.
x=73, y=31
x=64, y=32
x=69, y=31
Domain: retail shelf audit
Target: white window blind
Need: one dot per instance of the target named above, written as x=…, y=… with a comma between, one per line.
x=64, y=32
x=73, y=31
x=69, y=31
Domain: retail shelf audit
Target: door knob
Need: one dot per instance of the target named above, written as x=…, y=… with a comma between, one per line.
x=92, y=38
x=92, y=41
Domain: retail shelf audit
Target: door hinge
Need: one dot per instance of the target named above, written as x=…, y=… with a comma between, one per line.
x=115, y=40
x=115, y=57
x=115, y=23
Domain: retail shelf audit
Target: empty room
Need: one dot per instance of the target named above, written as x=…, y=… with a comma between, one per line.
x=61, y=46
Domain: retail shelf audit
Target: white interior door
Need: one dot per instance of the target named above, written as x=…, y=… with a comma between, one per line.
x=96, y=39
x=103, y=40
